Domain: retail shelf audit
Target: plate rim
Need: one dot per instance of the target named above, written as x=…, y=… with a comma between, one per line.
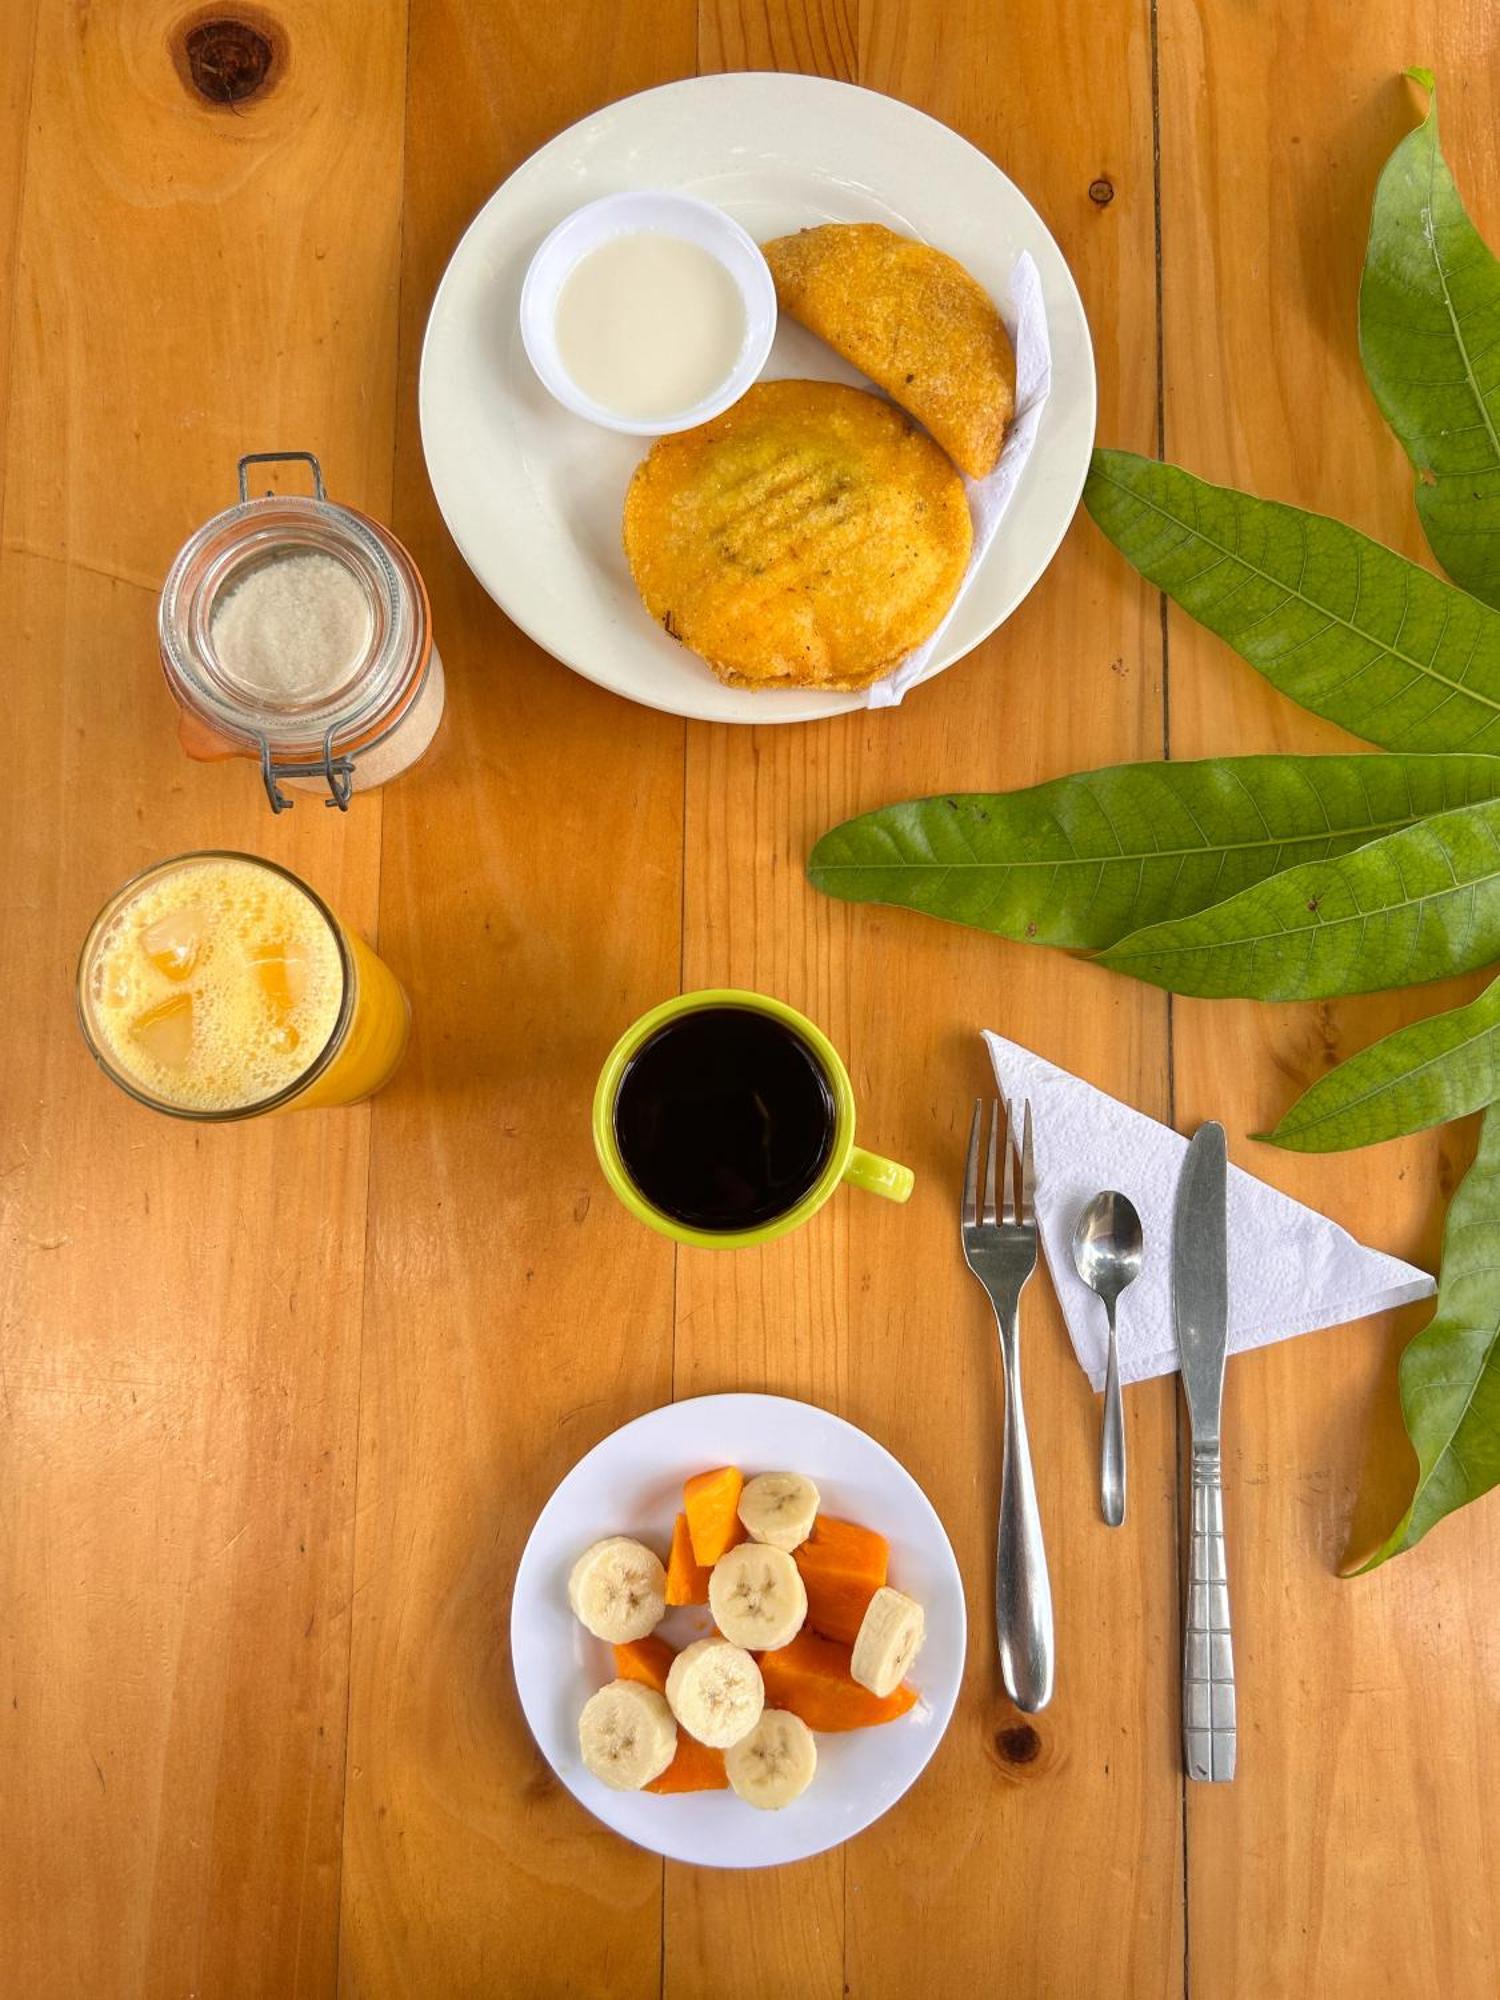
x=789, y=84
x=942, y=1710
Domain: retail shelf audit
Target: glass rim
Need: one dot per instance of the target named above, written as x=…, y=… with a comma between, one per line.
x=385, y=687
x=233, y=1114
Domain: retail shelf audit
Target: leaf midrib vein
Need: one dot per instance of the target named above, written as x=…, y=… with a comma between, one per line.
x=1458, y=1423
x=1388, y=1084
x=1383, y=910
x=1376, y=829
x=1360, y=631
x=1431, y=233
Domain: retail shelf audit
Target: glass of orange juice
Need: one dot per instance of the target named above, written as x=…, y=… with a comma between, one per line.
x=218, y=986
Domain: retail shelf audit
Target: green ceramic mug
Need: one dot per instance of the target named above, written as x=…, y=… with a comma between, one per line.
x=846, y=1161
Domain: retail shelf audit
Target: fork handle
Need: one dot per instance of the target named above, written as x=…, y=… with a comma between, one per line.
x=1023, y=1595
x=1208, y=1719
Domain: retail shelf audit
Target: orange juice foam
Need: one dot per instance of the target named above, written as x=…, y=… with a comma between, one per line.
x=216, y=986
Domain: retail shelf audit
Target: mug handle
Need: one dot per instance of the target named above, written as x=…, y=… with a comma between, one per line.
x=879, y=1176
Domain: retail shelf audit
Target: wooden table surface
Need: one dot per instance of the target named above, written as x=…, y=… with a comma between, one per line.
x=279, y=1402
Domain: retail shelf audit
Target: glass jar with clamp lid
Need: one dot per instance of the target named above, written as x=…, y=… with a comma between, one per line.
x=297, y=631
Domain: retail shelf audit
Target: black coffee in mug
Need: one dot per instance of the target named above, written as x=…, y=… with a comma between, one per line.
x=724, y=1119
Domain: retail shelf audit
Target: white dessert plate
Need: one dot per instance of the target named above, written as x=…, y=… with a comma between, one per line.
x=631, y=1484
x=533, y=495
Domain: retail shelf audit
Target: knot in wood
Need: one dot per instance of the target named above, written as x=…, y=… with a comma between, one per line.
x=227, y=60
x=1022, y=1753
x=1019, y=1744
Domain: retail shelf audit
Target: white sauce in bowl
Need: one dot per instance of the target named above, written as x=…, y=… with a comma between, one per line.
x=648, y=324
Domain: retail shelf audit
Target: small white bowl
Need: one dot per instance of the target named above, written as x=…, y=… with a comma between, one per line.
x=671, y=215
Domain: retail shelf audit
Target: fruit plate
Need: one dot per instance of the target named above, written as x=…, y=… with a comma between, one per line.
x=631, y=1484
x=533, y=495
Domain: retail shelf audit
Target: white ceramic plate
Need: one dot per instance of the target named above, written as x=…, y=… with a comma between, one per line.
x=632, y=1484
x=533, y=495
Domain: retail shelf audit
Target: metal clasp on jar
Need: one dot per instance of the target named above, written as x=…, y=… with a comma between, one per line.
x=339, y=771
x=372, y=719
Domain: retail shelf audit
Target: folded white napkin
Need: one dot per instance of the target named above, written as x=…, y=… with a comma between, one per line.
x=1290, y=1269
x=1025, y=316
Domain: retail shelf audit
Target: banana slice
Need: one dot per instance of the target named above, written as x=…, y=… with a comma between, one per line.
x=889, y=1640
x=775, y=1763
x=716, y=1692
x=757, y=1597
x=627, y=1735
x=618, y=1590
x=779, y=1508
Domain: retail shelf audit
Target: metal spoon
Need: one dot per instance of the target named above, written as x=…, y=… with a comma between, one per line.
x=1107, y=1252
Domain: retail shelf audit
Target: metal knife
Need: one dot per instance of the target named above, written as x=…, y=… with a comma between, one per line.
x=1200, y=1307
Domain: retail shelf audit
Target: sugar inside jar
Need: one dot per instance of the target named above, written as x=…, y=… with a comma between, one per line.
x=297, y=631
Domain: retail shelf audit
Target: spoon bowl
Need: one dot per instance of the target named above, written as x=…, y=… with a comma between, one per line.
x=1108, y=1246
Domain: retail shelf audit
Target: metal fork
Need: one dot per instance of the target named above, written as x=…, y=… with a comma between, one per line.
x=1001, y=1252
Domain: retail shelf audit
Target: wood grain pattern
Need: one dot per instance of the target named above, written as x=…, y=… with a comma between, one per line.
x=278, y=1404
x=816, y=37
x=17, y=67
x=516, y=1314
x=1365, y=1758
x=181, y=1307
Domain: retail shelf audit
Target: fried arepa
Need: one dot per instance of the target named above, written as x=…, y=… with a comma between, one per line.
x=810, y=536
x=914, y=321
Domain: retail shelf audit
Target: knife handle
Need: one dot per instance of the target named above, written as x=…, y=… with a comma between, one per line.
x=1208, y=1719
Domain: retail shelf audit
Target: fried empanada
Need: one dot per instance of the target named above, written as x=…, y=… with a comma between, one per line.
x=810, y=536
x=913, y=320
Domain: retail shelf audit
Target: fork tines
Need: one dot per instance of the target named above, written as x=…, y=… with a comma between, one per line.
x=979, y=1213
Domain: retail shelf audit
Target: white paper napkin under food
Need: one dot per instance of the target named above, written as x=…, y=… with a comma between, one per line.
x=1025, y=317
x=1290, y=1269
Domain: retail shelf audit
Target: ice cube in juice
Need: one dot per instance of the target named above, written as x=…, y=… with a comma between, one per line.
x=281, y=969
x=165, y=1032
x=173, y=942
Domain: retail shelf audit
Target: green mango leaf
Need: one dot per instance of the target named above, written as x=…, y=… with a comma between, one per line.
x=1429, y=336
x=1421, y=903
x=1082, y=861
x=1434, y=1070
x=1344, y=626
x=1450, y=1373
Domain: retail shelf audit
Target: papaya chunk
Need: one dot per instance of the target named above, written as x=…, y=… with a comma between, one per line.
x=648, y=1661
x=687, y=1580
x=811, y=1677
x=711, y=1500
x=695, y=1768
x=842, y=1565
